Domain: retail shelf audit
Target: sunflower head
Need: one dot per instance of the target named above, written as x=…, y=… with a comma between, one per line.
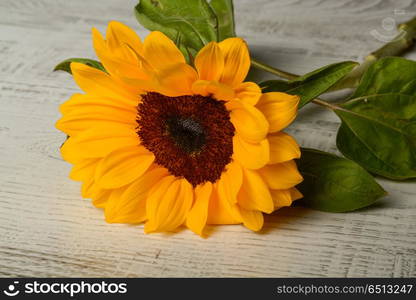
x=159, y=141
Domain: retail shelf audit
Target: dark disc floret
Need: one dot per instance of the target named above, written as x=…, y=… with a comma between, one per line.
x=191, y=136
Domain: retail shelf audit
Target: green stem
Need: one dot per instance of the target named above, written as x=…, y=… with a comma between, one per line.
x=275, y=71
x=325, y=104
x=399, y=45
x=403, y=42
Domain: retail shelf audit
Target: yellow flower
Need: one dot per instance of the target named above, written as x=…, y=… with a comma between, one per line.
x=156, y=140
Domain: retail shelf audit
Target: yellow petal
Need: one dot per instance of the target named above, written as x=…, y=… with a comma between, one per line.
x=110, y=109
x=295, y=194
x=168, y=204
x=160, y=52
x=280, y=109
x=100, y=198
x=283, y=147
x=120, y=69
x=96, y=109
x=122, y=54
x=117, y=54
x=118, y=35
x=84, y=169
x=86, y=117
x=211, y=88
x=115, y=48
x=248, y=92
x=281, y=198
x=248, y=121
x=96, y=82
x=155, y=198
x=141, y=187
x=282, y=175
x=198, y=215
x=122, y=166
x=252, y=219
x=148, y=85
x=210, y=62
x=228, y=187
x=79, y=102
x=130, y=206
x=254, y=193
x=220, y=211
x=75, y=125
x=99, y=43
x=112, y=200
x=176, y=80
x=251, y=155
x=236, y=61
x=88, y=188
x=98, y=142
x=230, y=182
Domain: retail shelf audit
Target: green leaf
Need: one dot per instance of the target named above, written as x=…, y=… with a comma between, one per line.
x=378, y=128
x=192, y=22
x=277, y=86
x=379, y=133
x=313, y=84
x=388, y=75
x=335, y=184
x=65, y=65
x=224, y=11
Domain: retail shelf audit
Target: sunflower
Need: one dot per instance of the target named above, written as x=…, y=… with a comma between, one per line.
x=156, y=140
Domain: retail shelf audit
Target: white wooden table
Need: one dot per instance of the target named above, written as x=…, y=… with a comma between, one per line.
x=47, y=229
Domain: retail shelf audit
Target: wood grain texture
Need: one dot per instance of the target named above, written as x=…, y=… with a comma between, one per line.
x=46, y=229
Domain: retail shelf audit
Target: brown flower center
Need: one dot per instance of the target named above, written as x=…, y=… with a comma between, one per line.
x=191, y=136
